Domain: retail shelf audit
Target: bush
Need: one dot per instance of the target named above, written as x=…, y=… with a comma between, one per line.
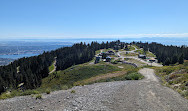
x=64, y=87
x=73, y=91
x=48, y=91
x=38, y=96
x=134, y=76
x=5, y=96
x=114, y=62
x=168, y=70
x=29, y=92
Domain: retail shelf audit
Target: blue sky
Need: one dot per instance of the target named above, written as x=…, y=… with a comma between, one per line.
x=93, y=18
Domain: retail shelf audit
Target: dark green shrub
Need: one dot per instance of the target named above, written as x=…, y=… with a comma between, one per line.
x=134, y=76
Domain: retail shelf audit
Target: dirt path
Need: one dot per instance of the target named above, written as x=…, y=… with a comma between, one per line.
x=141, y=95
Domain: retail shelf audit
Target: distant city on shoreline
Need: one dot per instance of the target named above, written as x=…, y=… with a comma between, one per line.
x=15, y=49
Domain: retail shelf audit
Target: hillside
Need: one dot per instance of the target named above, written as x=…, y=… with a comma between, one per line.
x=147, y=95
x=120, y=84
x=175, y=77
x=71, y=66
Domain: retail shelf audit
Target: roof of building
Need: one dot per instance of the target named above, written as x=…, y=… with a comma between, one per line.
x=108, y=57
x=151, y=59
x=141, y=55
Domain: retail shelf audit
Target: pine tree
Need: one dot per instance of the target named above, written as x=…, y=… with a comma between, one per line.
x=181, y=59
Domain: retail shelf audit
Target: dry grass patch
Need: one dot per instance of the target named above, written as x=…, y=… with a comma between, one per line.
x=100, y=77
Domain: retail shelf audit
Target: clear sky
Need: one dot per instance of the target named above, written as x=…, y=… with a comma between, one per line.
x=93, y=18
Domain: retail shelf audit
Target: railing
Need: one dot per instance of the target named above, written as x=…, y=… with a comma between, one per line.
x=133, y=64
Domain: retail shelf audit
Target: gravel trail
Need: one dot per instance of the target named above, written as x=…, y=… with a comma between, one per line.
x=142, y=95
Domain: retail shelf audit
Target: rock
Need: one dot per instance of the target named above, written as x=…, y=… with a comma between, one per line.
x=186, y=84
x=74, y=104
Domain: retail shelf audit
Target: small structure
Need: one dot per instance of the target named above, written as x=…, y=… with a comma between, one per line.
x=97, y=59
x=142, y=56
x=110, y=52
x=108, y=59
x=152, y=60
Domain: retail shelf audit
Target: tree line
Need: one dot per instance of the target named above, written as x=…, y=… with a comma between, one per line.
x=165, y=54
x=32, y=70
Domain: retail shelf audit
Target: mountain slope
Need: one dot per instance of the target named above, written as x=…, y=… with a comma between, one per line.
x=146, y=95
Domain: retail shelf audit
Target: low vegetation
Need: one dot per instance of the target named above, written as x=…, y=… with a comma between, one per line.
x=175, y=77
x=134, y=61
x=47, y=91
x=105, y=50
x=52, y=67
x=130, y=48
x=73, y=74
x=165, y=54
x=73, y=91
x=131, y=74
x=134, y=76
x=147, y=53
x=97, y=52
x=38, y=96
x=14, y=93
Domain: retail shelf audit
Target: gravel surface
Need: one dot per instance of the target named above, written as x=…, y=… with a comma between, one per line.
x=142, y=95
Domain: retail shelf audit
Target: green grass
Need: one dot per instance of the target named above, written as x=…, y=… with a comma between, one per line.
x=38, y=96
x=48, y=91
x=134, y=76
x=51, y=67
x=63, y=80
x=105, y=50
x=136, y=46
x=130, y=48
x=131, y=54
x=73, y=91
x=140, y=51
x=73, y=74
x=14, y=93
x=150, y=54
x=97, y=52
x=139, y=63
x=175, y=77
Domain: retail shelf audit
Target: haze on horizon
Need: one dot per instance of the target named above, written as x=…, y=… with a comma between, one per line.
x=58, y=19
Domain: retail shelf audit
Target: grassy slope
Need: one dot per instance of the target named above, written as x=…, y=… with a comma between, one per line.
x=175, y=77
x=73, y=74
x=140, y=51
x=131, y=48
x=70, y=77
x=136, y=46
x=148, y=54
x=51, y=67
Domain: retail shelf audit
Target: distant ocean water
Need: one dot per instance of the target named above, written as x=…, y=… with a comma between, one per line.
x=163, y=40
x=17, y=56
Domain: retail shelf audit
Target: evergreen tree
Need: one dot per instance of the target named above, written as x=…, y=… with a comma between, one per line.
x=181, y=59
